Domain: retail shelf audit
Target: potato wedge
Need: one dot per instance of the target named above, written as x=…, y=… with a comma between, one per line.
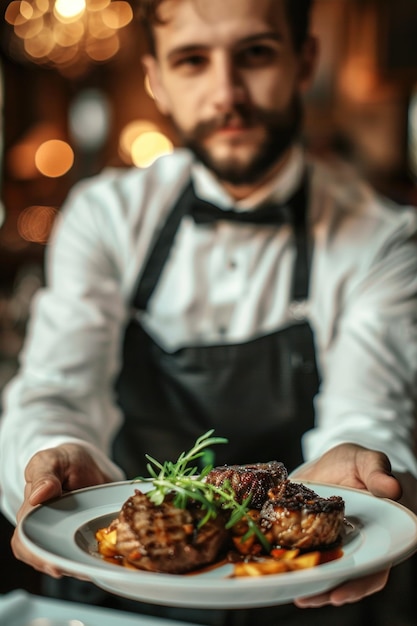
x=106, y=542
x=261, y=568
x=285, y=561
x=305, y=561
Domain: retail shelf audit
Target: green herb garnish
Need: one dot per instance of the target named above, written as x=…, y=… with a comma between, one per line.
x=188, y=484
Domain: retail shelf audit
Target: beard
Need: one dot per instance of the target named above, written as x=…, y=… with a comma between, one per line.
x=281, y=130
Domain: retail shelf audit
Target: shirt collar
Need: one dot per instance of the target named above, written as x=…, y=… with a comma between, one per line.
x=279, y=188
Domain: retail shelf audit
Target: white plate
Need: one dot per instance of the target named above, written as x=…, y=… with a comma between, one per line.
x=62, y=533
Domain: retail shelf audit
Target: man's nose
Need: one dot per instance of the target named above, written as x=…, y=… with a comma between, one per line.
x=227, y=86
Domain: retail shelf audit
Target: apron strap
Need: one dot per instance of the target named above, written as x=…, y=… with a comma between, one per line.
x=160, y=251
x=301, y=276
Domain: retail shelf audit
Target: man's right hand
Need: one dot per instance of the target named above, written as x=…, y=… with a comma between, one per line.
x=48, y=474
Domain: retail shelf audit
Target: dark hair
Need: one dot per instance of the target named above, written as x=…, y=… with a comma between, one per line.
x=298, y=15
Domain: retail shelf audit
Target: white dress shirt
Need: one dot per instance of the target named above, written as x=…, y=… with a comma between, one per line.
x=226, y=282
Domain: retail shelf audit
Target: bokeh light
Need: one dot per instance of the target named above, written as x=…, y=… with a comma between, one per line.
x=149, y=146
x=89, y=119
x=20, y=158
x=21, y=161
x=69, y=34
x=34, y=224
x=69, y=9
x=54, y=158
x=130, y=133
x=117, y=15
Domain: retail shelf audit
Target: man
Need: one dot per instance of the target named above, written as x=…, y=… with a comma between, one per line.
x=162, y=319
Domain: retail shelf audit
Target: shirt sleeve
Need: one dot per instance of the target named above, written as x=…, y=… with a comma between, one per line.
x=369, y=368
x=63, y=392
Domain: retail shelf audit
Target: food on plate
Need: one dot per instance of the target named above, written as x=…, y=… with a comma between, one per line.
x=252, y=515
x=298, y=518
x=166, y=538
x=252, y=481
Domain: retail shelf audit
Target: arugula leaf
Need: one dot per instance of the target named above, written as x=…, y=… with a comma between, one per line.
x=189, y=484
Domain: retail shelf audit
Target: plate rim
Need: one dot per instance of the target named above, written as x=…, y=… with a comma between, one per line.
x=107, y=572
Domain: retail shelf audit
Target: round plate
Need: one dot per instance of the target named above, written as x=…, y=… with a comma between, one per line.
x=61, y=532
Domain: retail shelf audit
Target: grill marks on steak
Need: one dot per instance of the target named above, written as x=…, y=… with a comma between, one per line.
x=249, y=480
x=297, y=517
x=164, y=538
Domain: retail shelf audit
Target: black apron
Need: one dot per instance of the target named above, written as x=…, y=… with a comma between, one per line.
x=259, y=394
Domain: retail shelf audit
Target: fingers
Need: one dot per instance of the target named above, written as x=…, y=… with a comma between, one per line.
x=64, y=468
x=375, y=471
x=44, y=489
x=349, y=592
x=384, y=486
x=44, y=476
x=350, y=465
x=48, y=474
x=337, y=466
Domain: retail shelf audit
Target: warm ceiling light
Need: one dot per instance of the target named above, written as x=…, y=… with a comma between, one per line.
x=97, y=28
x=54, y=158
x=49, y=28
x=118, y=14
x=42, y=5
x=68, y=34
x=40, y=47
x=69, y=9
x=98, y=5
x=29, y=29
x=13, y=15
x=26, y=10
x=63, y=56
x=103, y=49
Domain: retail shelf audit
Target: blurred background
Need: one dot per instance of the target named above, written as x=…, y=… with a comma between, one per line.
x=73, y=100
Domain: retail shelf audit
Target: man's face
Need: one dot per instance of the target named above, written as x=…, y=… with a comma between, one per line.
x=228, y=76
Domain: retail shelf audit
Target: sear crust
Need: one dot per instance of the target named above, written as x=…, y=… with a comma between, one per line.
x=297, y=517
x=164, y=538
x=250, y=480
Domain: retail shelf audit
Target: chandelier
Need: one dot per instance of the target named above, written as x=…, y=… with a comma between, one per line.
x=68, y=34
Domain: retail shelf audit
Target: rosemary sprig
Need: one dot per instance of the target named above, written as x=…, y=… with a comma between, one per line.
x=189, y=484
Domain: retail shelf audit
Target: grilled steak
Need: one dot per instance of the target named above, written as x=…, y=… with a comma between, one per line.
x=297, y=517
x=249, y=480
x=164, y=538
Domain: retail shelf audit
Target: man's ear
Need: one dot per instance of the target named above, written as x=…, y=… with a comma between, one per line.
x=151, y=67
x=308, y=62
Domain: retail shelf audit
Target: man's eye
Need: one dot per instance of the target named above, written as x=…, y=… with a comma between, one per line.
x=256, y=56
x=193, y=61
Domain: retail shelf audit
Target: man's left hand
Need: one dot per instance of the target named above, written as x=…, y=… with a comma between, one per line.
x=350, y=465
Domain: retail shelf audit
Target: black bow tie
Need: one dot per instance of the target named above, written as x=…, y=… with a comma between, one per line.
x=272, y=213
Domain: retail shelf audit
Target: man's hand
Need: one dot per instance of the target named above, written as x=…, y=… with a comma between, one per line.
x=350, y=465
x=48, y=474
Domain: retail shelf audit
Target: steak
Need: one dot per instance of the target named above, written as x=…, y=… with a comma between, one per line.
x=164, y=538
x=252, y=481
x=297, y=517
